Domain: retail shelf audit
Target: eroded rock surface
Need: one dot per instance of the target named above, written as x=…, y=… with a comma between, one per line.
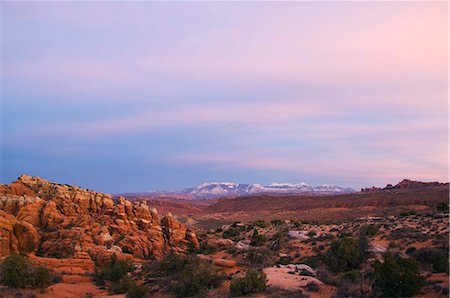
x=63, y=221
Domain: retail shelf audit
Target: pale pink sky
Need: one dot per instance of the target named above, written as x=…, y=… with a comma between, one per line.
x=352, y=93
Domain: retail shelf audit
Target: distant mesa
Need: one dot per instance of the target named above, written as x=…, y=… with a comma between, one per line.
x=210, y=190
x=405, y=184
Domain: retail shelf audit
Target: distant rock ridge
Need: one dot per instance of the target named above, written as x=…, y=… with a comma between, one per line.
x=64, y=221
x=227, y=189
x=404, y=184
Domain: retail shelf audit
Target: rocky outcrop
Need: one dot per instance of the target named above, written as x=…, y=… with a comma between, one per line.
x=405, y=184
x=63, y=221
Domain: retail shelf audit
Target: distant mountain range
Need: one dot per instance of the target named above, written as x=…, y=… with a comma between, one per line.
x=229, y=189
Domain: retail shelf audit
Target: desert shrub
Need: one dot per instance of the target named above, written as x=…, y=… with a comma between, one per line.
x=327, y=277
x=126, y=250
x=136, y=291
x=119, y=282
x=17, y=271
x=442, y=207
x=397, y=277
x=407, y=233
x=196, y=276
x=218, y=230
x=284, y=260
x=257, y=239
x=312, y=287
x=253, y=282
x=171, y=264
x=312, y=233
x=311, y=261
x=276, y=222
x=296, y=224
x=279, y=239
x=259, y=223
x=344, y=255
x=116, y=269
x=410, y=250
x=261, y=257
x=437, y=259
x=370, y=230
x=186, y=276
x=408, y=213
x=41, y=277
x=351, y=276
x=231, y=233
x=206, y=249
x=128, y=286
x=121, y=286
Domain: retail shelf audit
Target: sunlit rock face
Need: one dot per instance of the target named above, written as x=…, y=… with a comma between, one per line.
x=64, y=221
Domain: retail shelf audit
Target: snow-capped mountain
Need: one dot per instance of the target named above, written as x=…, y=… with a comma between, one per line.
x=333, y=188
x=228, y=189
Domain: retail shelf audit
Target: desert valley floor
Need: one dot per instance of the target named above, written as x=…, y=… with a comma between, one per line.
x=376, y=243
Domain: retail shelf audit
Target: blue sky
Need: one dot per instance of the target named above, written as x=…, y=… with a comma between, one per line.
x=139, y=96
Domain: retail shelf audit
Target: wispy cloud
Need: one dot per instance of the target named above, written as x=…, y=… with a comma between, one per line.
x=354, y=90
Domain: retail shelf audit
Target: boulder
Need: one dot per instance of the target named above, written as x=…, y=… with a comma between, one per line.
x=27, y=236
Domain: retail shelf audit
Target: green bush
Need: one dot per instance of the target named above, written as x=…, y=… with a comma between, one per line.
x=442, y=207
x=257, y=239
x=196, y=276
x=285, y=260
x=127, y=286
x=253, y=282
x=312, y=287
x=206, y=249
x=351, y=276
x=438, y=259
x=370, y=230
x=18, y=272
x=136, y=291
x=116, y=272
x=397, y=277
x=116, y=269
x=344, y=254
x=276, y=222
x=121, y=286
x=41, y=277
x=231, y=233
x=407, y=213
x=261, y=257
x=186, y=276
x=259, y=223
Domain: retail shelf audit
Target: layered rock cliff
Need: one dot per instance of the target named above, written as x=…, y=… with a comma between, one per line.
x=63, y=221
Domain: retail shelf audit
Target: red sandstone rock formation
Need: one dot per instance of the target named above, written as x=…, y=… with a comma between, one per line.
x=63, y=221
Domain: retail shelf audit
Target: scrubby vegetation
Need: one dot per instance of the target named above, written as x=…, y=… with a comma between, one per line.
x=341, y=254
x=116, y=276
x=253, y=282
x=436, y=259
x=397, y=277
x=257, y=239
x=260, y=257
x=17, y=271
x=408, y=213
x=231, y=233
x=184, y=276
x=442, y=207
x=344, y=254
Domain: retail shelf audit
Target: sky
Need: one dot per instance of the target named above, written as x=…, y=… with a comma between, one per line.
x=121, y=97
